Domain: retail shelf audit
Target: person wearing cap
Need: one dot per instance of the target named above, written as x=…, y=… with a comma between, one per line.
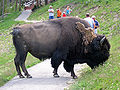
x=51, y=13
x=64, y=15
x=59, y=13
x=90, y=21
x=96, y=23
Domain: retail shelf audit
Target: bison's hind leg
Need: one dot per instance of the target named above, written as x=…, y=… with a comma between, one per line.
x=17, y=65
x=22, y=64
x=20, y=61
x=21, y=53
x=70, y=68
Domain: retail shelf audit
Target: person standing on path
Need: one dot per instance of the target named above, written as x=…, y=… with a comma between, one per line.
x=59, y=13
x=96, y=24
x=51, y=12
x=64, y=15
x=68, y=11
x=90, y=21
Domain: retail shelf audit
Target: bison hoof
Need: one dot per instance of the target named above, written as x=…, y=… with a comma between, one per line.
x=75, y=77
x=56, y=75
x=29, y=76
x=21, y=76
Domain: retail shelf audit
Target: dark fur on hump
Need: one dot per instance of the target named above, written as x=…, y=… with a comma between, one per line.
x=69, y=34
x=70, y=38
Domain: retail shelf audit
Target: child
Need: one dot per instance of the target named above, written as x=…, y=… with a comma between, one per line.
x=64, y=15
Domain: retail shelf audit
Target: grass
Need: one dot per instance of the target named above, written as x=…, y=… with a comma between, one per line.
x=107, y=12
x=7, y=50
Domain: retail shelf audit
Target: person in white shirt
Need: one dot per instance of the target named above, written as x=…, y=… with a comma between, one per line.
x=51, y=13
x=90, y=21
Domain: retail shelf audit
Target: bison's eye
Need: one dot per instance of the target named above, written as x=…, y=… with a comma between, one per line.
x=105, y=47
x=96, y=45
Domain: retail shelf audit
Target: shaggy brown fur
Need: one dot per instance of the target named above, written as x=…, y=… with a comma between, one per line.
x=88, y=33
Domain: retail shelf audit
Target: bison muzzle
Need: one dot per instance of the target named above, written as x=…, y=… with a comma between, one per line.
x=62, y=41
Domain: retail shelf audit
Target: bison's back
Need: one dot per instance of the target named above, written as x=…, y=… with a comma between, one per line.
x=42, y=39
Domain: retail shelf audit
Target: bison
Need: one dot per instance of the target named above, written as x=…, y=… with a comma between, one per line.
x=62, y=41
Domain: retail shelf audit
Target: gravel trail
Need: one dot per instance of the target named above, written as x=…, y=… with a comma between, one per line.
x=43, y=78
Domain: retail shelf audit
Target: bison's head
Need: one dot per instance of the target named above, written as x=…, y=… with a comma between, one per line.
x=96, y=47
x=99, y=51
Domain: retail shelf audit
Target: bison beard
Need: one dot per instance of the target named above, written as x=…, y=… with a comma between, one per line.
x=61, y=40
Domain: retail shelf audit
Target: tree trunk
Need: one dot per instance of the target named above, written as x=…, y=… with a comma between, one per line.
x=10, y=1
x=40, y=3
x=0, y=8
x=46, y=2
x=16, y=5
x=8, y=5
x=3, y=10
x=19, y=5
x=37, y=3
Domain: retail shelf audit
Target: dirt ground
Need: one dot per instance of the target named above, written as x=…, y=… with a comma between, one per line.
x=43, y=78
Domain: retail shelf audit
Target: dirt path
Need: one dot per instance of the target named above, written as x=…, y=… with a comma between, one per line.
x=42, y=78
x=24, y=15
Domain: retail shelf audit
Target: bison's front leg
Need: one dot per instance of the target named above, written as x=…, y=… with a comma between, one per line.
x=55, y=73
x=56, y=61
x=70, y=68
x=73, y=73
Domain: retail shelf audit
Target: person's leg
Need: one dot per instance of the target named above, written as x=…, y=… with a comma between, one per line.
x=95, y=31
x=50, y=17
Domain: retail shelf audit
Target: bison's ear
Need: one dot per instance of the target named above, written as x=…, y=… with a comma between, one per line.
x=80, y=26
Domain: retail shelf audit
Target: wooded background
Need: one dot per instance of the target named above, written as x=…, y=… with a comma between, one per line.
x=9, y=6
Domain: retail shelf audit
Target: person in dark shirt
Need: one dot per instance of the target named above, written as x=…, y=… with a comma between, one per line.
x=96, y=23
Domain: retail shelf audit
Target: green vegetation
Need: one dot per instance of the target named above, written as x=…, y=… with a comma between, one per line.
x=106, y=77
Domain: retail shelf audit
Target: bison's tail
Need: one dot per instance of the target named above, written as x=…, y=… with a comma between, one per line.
x=19, y=44
x=15, y=32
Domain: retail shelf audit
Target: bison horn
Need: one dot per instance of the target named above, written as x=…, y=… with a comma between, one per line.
x=102, y=40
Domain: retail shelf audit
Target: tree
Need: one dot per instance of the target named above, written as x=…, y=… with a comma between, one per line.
x=40, y=3
x=3, y=9
x=8, y=5
x=46, y=2
x=37, y=3
x=0, y=8
x=19, y=5
x=16, y=5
